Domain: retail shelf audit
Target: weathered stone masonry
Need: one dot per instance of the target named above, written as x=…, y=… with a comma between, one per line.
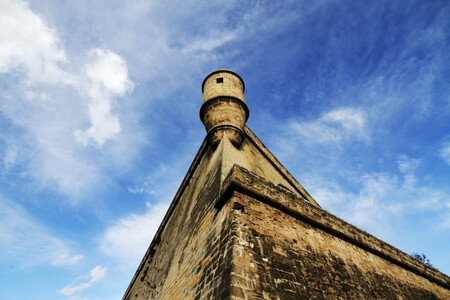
x=282, y=254
x=241, y=227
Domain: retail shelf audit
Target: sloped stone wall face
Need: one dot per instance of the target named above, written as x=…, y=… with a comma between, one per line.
x=201, y=268
x=192, y=257
x=239, y=236
x=277, y=256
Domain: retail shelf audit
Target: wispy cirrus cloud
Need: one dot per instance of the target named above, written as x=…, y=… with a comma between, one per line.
x=380, y=200
x=324, y=138
x=84, y=282
x=370, y=189
x=341, y=124
x=27, y=242
x=206, y=45
x=129, y=237
x=444, y=152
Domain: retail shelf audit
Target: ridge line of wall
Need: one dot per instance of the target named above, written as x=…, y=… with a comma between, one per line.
x=278, y=165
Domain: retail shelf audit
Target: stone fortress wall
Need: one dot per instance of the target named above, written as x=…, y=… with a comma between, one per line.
x=241, y=227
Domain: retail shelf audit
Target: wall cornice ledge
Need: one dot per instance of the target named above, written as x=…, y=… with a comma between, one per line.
x=243, y=181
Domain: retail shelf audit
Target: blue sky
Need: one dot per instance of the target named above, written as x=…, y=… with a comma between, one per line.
x=99, y=123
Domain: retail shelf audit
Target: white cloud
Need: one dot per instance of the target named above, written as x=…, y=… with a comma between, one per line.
x=65, y=259
x=216, y=40
x=28, y=242
x=348, y=118
x=444, y=152
x=56, y=123
x=407, y=165
x=10, y=156
x=95, y=275
x=152, y=184
x=27, y=42
x=128, y=239
x=43, y=105
x=108, y=71
x=335, y=126
x=108, y=77
x=380, y=199
x=74, y=297
x=161, y=183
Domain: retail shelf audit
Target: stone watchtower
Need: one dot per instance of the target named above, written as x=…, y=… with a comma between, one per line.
x=224, y=111
x=241, y=227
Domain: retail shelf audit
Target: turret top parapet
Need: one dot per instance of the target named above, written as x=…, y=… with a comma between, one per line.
x=223, y=82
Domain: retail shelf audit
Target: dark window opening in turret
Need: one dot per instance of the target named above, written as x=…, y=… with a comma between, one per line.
x=219, y=80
